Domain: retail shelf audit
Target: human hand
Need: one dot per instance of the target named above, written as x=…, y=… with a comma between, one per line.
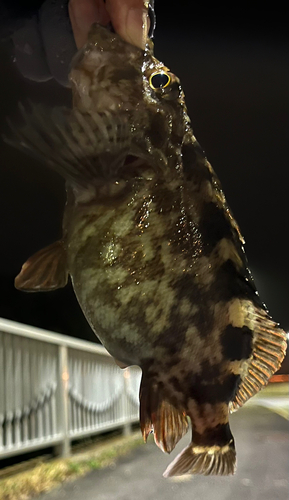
x=129, y=18
x=46, y=42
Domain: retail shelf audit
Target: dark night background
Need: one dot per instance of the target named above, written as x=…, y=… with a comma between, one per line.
x=233, y=66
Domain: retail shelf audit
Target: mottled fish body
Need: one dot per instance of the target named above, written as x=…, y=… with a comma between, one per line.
x=154, y=254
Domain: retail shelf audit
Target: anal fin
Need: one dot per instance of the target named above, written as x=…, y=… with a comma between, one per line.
x=168, y=423
x=46, y=270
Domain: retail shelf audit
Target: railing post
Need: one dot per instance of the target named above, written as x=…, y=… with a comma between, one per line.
x=2, y=393
x=49, y=382
x=64, y=448
x=127, y=425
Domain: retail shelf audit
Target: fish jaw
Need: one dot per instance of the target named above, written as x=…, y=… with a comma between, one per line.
x=117, y=117
x=111, y=76
x=101, y=90
x=106, y=73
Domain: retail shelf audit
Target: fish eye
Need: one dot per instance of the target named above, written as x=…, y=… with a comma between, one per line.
x=159, y=80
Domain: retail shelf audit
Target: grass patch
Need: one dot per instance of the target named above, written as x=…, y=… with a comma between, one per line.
x=47, y=476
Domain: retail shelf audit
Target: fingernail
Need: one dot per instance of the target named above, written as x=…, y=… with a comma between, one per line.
x=137, y=27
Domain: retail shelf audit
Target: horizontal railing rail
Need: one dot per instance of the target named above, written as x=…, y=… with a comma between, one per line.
x=54, y=389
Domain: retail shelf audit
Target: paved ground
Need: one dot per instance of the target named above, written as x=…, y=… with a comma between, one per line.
x=261, y=437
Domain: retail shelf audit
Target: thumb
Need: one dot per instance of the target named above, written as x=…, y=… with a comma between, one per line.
x=130, y=20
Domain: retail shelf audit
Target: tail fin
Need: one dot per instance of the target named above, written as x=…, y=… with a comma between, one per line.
x=168, y=423
x=206, y=460
x=211, y=452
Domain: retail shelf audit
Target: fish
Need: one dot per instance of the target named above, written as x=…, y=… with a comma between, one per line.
x=152, y=249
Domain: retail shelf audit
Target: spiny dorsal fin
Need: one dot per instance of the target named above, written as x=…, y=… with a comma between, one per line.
x=81, y=146
x=46, y=270
x=269, y=348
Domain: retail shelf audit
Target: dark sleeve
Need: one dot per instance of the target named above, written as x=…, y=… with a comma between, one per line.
x=42, y=37
x=43, y=42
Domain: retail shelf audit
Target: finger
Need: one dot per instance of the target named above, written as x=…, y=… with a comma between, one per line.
x=83, y=13
x=57, y=38
x=30, y=55
x=130, y=20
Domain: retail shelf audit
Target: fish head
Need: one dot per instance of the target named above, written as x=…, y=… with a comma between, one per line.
x=105, y=73
x=111, y=76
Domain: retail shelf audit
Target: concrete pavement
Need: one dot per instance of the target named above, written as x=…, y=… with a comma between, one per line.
x=261, y=438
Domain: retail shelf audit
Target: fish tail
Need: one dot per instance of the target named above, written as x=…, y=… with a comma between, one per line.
x=206, y=460
x=158, y=415
x=213, y=456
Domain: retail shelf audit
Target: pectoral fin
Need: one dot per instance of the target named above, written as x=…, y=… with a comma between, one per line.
x=46, y=270
x=83, y=147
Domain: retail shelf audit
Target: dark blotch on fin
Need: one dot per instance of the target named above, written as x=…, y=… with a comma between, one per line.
x=269, y=348
x=194, y=164
x=46, y=270
x=158, y=415
x=214, y=225
x=236, y=343
x=235, y=283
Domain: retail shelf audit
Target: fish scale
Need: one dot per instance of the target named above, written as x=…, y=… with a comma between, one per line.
x=154, y=253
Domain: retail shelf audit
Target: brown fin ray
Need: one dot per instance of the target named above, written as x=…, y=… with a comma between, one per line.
x=81, y=146
x=168, y=423
x=269, y=348
x=45, y=270
x=212, y=450
x=210, y=460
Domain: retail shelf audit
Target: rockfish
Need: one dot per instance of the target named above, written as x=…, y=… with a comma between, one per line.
x=154, y=253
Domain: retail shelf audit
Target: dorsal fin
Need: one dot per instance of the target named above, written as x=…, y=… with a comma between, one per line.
x=46, y=270
x=269, y=348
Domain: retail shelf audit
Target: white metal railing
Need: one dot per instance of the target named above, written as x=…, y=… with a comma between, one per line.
x=54, y=388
